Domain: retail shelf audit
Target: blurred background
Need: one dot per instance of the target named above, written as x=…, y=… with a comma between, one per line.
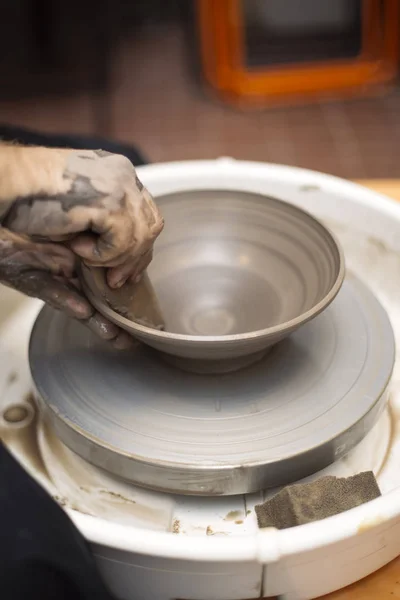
x=310, y=83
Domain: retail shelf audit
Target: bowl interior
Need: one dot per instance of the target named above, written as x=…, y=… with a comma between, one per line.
x=233, y=262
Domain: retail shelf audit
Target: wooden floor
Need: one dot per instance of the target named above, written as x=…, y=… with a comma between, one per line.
x=156, y=102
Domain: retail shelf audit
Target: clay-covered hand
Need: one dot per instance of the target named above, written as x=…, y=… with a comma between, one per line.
x=92, y=198
x=48, y=271
x=56, y=205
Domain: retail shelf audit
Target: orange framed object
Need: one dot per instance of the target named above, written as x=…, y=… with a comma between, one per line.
x=222, y=49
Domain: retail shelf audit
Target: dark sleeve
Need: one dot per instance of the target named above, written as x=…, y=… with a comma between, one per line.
x=42, y=554
x=78, y=142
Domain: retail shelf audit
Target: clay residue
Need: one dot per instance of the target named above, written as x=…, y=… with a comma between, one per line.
x=90, y=491
x=60, y=500
x=12, y=377
x=209, y=531
x=176, y=526
x=64, y=503
x=233, y=515
x=368, y=524
x=117, y=496
x=309, y=188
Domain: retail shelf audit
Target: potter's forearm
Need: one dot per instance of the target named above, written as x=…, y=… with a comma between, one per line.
x=91, y=198
x=26, y=172
x=48, y=191
x=56, y=192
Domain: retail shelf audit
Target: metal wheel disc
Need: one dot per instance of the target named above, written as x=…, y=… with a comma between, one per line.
x=306, y=404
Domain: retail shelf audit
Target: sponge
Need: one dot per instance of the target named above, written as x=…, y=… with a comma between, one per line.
x=303, y=503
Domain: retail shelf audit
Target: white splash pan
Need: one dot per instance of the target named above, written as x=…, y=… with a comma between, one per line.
x=152, y=546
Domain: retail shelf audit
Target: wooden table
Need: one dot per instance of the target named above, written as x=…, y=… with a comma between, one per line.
x=385, y=583
x=390, y=187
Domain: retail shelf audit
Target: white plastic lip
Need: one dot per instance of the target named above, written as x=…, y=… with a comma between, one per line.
x=178, y=176
x=266, y=545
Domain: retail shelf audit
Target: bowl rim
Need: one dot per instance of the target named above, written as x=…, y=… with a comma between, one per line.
x=155, y=334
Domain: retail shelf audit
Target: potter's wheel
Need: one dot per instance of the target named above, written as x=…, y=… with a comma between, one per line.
x=305, y=405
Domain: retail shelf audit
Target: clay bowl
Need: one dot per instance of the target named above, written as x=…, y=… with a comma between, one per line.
x=234, y=273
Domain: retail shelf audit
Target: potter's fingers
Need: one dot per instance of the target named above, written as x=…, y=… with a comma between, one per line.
x=109, y=240
x=64, y=296
x=58, y=259
x=75, y=282
x=130, y=271
x=55, y=292
x=20, y=254
x=67, y=298
x=84, y=245
x=61, y=238
x=103, y=328
x=120, y=240
x=108, y=331
x=124, y=341
x=143, y=264
x=53, y=257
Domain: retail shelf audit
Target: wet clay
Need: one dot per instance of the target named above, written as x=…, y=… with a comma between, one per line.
x=303, y=503
x=134, y=301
